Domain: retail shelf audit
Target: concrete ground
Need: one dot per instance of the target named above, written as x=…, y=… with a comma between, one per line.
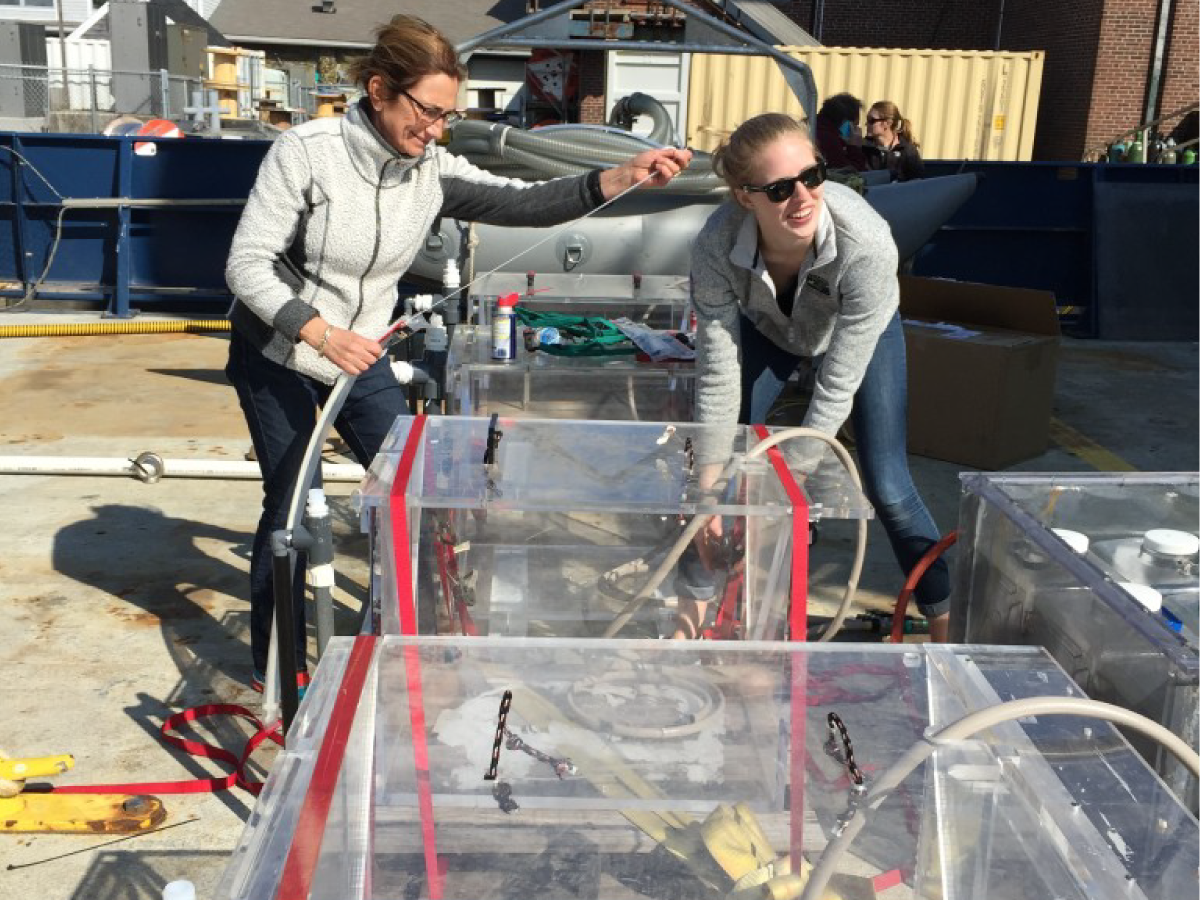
x=126, y=601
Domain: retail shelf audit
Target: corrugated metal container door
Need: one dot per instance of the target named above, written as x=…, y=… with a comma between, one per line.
x=963, y=104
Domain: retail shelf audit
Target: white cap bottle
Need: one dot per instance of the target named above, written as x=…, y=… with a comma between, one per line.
x=179, y=890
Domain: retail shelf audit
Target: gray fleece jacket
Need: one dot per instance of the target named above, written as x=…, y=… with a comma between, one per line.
x=336, y=217
x=846, y=296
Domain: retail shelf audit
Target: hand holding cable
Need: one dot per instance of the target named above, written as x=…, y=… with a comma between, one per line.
x=652, y=167
x=350, y=352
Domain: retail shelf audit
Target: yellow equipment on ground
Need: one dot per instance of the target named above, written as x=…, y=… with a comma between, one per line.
x=24, y=811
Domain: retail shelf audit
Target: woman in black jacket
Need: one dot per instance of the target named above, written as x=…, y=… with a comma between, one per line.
x=898, y=150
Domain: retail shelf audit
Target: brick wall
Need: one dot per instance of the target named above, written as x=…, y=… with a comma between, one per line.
x=930, y=24
x=591, y=86
x=1069, y=32
x=1122, y=68
x=1181, y=81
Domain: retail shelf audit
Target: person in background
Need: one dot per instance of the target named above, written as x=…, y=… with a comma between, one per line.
x=793, y=268
x=839, y=139
x=340, y=208
x=899, y=151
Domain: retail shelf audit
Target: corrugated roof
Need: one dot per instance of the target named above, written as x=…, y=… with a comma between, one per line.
x=295, y=21
x=767, y=22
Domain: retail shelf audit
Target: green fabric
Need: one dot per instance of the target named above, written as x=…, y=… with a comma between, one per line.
x=582, y=335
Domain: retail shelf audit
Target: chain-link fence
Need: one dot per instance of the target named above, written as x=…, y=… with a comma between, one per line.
x=41, y=98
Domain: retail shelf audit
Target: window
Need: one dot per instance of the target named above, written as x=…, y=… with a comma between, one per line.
x=45, y=4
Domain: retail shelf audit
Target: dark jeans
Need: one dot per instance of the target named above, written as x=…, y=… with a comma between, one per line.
x=280, y=407
x=880, y=430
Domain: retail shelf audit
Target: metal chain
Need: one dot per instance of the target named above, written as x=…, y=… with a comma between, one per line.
x=837, y=728
x=562, y=767
x=501, y=727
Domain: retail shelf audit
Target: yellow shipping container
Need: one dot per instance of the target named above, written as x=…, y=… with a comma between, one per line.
x=964, y=104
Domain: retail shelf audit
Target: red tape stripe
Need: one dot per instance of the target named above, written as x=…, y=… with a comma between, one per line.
x=401, y=551
x=301, y=861
x=798, y=600
x=798, y=631
x=402, y=554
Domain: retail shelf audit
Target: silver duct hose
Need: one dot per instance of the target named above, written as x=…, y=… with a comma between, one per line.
x=566, y=150
x=627, y=109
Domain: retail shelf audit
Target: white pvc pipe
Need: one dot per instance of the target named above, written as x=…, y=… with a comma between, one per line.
x=176, y=468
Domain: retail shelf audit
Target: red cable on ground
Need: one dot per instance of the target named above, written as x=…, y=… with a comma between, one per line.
x=914, y=577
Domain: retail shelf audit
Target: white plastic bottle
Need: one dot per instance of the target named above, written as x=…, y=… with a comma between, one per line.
x=179, y=890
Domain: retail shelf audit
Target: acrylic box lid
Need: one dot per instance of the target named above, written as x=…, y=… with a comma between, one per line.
x=604, y=466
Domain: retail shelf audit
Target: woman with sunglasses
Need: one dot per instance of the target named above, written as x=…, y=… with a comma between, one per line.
x=339, y=210
x=892, y=134
x=796, y=268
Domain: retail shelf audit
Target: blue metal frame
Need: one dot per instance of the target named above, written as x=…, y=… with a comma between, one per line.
x=1034, y=225
x=125, y=257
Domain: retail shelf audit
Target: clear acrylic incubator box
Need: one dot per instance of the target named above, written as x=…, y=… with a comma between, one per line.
x=538, y=383
x=581, y=529
x=1101, y=570
x=453, y=768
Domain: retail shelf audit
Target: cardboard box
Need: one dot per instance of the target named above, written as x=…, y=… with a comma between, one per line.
x=981, y=368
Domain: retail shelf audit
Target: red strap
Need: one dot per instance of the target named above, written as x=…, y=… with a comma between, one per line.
x=798, y=628
x=237, y=777
x=798, y=601
x=310, y=825
x=400, y=548
x=416, y=713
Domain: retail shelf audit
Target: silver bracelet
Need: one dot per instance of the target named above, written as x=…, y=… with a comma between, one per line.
x=324, y=341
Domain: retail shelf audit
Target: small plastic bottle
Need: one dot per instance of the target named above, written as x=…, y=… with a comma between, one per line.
x=179, y=890
x=504, y=328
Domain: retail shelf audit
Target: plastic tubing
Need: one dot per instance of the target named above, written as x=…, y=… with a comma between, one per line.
x=226, y=469
x=89, y=329
x=580, y=129
x=550, y=156
x=699, y=521
x=914, y=577
x=308, y=467
x=968, y=727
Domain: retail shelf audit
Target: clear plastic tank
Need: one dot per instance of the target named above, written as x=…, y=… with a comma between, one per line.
x=694, y=770
x=572, y=520
x=1018, y=581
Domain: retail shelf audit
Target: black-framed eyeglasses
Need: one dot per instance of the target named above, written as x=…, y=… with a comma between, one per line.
x=432, y=114
x=780, y=190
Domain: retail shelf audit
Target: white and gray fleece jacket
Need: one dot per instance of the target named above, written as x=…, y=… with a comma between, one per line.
x=847, y=293
x=336, y=217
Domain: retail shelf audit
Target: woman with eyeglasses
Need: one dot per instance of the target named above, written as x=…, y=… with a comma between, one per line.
x=892, y=134
x=339, y=210
x=798, y=268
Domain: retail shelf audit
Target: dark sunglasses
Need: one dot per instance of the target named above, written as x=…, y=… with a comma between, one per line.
x=779, y=191
x=871, y=120
x=431, y=114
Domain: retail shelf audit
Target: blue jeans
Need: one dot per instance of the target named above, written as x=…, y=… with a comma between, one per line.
x=881, y=433
x=280, y=407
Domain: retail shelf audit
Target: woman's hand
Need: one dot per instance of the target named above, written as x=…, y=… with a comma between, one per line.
x=350, y=352
x=662, y=164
